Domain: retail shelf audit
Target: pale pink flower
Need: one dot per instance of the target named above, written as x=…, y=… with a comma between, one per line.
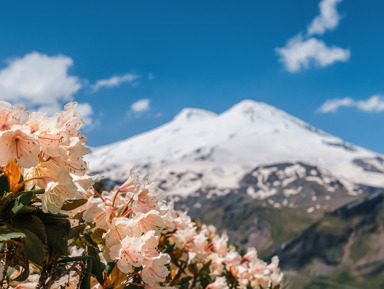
x=217, y=264
x=220, y=283
x=18, y=144
x=220, y=244
x=118, y=230
x=149, y=221
x=71, y=120
x=128, y=253
x=154, y=269
x=98, y=211
x=147, y=198
x=133, y=250
x=251, y=255
x=52, y=142
x=56, y=194
x=132, y=185
x=11, y=115
x=36, y=121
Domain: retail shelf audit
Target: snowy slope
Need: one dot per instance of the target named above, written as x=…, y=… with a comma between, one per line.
x=221, y=148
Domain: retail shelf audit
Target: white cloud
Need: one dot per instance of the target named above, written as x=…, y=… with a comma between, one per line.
x=327, y=20
x=86, y=112
x=38, y=80
x=332, y=105
x=373, y=104
x=115, y=81
x=300, y=53
x=141, y=105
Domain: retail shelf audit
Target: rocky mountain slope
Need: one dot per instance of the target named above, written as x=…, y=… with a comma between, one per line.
x=345, y=249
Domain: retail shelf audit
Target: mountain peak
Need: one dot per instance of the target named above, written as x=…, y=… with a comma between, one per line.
x=194, y=114
x=253, y=110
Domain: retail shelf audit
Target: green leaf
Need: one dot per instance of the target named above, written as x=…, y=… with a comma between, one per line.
x=4, y=185
x=97, y=266
x=33, y=247
x=97, y=235
x=74, y=204
x=88, y=237
x=28, y=209
x=75, y=231
x=16, y=205
x=51, y=218
x=57, y=238
x=133, y=287
x=32, y=223
x=8, y=235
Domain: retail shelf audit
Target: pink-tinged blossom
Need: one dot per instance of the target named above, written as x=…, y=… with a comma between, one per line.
x=142, y=223
x=36, y=121
x=133, y=251
x=118, y=230
x=220, y=244
x=18, y=144
x=132, y=185
x=127, y=254
x=220, y=283
x=71, y=120
x=147, y=198
x=217, y=264
x=56, y=194
x=12, y=115
x=154, y=269
x=98, y=211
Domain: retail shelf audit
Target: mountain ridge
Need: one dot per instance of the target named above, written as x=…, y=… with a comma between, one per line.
x=248, y=134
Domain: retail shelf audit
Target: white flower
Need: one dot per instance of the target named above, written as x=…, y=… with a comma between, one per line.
x=128, y=253
x=18, y=144
x=143, y=223
x=11, y=115
x=98, y=211
x=154, y=269
x=118, y=230
x=220, y=283
x=56, y=194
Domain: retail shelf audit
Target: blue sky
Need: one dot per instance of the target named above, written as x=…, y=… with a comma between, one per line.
x=323, y=64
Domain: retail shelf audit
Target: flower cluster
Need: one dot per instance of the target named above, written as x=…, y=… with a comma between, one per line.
x=49, y=151
x=58, y=231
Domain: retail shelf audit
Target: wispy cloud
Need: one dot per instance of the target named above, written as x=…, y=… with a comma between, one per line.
x=40, y=81
x=141, y=105
x=300, y=52
x=327, y=20
x=115, y=81
x=373, y=104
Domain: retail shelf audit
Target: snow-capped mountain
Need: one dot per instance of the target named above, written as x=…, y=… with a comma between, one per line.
x=253, y=170
x=199, y=148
